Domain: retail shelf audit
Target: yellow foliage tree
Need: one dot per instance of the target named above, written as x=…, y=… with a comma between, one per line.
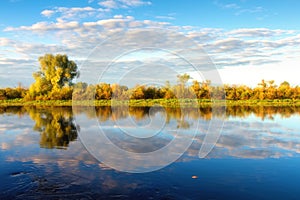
x=54, y=78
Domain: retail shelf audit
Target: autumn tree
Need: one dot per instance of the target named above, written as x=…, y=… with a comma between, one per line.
x=79, y=90
x=2, y=94
x=54, y=77
x=284, y=90
x=196, y=88
x=271, y=90
x=205, y=90
x=138, y=92
x=119, y=91
x=167, y=91
x=181, y=90
x=103, y=91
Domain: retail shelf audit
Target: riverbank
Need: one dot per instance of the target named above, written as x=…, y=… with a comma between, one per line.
x=152, y=102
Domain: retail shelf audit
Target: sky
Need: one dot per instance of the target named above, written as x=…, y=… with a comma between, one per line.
x=237, y=41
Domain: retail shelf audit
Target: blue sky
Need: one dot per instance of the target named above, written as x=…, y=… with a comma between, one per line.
x=247, y=40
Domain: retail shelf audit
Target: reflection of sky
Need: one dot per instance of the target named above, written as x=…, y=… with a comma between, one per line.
x=279, y=136
x=269, y=148
x=292, y=122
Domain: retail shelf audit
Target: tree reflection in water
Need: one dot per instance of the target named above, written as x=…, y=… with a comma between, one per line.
x=57, y=128
x=55, y=124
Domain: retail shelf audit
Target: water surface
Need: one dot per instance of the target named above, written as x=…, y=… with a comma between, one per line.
x=256, y=157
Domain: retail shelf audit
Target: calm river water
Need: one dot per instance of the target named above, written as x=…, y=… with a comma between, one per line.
x=65, y=153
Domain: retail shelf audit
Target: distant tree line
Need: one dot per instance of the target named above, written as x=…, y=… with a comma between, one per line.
x=13, y=93
x=54, y=82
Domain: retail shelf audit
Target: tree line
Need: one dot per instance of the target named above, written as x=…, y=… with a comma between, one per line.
x=53, y=81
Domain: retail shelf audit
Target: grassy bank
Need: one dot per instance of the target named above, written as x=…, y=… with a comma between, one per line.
x=151, y=102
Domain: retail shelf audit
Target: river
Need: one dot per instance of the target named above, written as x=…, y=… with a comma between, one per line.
x=150, y=153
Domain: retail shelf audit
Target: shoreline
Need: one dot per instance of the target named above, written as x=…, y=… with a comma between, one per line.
x=152, y=102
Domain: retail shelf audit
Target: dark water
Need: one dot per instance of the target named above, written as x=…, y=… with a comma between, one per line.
x=42, y=156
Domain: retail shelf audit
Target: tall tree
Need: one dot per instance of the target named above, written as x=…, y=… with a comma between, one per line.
x=56, y=72
x=183, y=79
x=181, y=90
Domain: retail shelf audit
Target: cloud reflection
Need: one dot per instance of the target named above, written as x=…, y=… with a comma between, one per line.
x=247, y=133
x=52, y=173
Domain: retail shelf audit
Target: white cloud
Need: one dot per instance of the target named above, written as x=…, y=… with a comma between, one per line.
x=74, y=13
x=259, y=49
x=109, y=4
x=47, y=13
x=118, y=16
x=258, y=32
x=6, y=42
x=252, y=74
x=253, y=47
x=115, y=4
x=46, y=26
x=231, y=6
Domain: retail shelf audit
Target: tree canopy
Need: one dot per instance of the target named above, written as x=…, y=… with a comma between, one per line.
x=54, y=78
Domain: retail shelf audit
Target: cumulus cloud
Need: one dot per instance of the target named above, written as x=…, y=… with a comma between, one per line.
x=47, y=13
x=45, y=26
x=19, y=59
x=74, y=13
x=227, y=48
x=6, y=42
x=77, y=13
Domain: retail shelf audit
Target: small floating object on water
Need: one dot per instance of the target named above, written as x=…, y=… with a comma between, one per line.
x=194, y=177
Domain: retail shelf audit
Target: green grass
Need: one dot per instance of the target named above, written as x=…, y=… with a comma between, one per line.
x=152, y=102
x=21, y=102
